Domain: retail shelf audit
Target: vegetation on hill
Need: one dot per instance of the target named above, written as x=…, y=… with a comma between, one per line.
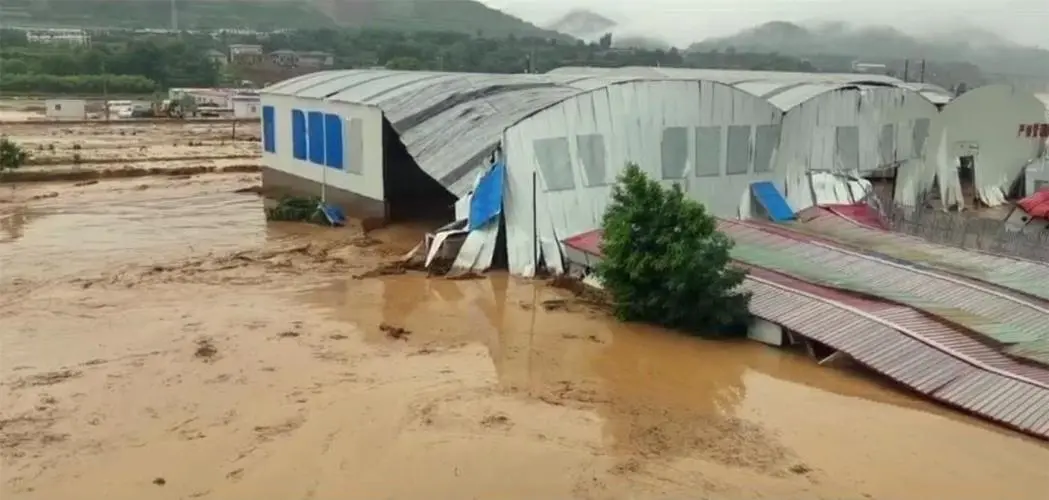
x=665, y=262
x=972, y=58
x=463, y=16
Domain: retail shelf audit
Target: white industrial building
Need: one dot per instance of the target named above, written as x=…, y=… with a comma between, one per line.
x=978, y=147
x=65, y=109
x=246, y=106
x=390, y=144
x=848, y=124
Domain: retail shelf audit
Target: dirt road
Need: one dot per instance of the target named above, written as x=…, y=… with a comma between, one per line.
x=159, y=340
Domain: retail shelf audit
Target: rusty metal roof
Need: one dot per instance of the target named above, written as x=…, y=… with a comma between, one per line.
x=1000, y=316
x=1028, y=277
x=897, y=352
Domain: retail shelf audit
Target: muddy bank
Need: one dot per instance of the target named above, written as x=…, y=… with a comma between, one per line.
x=28, y=175
x=168, y=342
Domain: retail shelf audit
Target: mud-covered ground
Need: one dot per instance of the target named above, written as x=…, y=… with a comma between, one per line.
x=158, y=339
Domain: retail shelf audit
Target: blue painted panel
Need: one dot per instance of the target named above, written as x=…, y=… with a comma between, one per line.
x=334, y=154
x=770, y=198
x=487, y=201
x=298, y=134
x=269, y=130
x=315, y=126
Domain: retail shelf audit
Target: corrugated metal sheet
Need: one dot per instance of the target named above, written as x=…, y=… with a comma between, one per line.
x=934, y=93
x=1028, y=277
x=909, y=347
x=449, y=122
x=887, y=349
x=1012, y=320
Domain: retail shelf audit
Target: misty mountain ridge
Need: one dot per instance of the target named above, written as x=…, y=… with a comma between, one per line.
x=992, y=52
x=590, y=26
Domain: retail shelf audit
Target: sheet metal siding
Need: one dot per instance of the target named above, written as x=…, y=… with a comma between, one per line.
x=808, y=140
x=1018, y=404
x=631, y=117
x=1001, y=152
x=1025, y=317
x=1023, y=276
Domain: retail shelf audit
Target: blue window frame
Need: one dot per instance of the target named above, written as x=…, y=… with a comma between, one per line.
x=334, y=156
x=269, y=130
x=315, y=127
x=298, y=134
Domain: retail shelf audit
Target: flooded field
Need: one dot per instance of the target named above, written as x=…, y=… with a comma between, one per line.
x=159, y=340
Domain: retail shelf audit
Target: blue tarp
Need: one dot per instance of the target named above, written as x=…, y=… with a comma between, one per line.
x=487, y=201
x=770, y=198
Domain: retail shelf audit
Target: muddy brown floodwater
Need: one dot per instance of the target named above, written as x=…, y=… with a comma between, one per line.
x=159, y=340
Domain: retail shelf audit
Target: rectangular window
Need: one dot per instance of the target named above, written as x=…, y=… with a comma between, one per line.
x=847, y=148
x=674, y=150
x=355, y=142
x=333, y=151
x=555, y=163
x=298, y=134
x=921, y=133
x=738, y=159
x=766, y=142
x=708, y=151
x=591, y=149
x=887, y=145
x=269, y=130
x=315, y=130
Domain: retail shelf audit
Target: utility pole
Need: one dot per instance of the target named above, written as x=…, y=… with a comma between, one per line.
x=922, y=77
x=105, y=89
x=906, y=69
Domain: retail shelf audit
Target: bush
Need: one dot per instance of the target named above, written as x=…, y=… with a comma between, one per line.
x=665, y=262
x=81, y=84
x=12, y=155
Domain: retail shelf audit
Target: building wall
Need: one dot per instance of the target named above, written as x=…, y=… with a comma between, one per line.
x=984, y=122
x=247, y=108
x=656, y=124
x=66, y=109
x=357, y=185
x=854, y=131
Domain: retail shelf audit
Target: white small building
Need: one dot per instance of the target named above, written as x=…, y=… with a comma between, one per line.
x=246, y=106
x=58, y=36
x=65, y=109
x=978, y=146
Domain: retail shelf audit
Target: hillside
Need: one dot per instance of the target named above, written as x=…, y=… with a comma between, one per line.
x=465, y=16
x=591, y=26
x=990, y=52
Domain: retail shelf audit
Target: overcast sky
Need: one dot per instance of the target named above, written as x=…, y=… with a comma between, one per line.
x=684, y=21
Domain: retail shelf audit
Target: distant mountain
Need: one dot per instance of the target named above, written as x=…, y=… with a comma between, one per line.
x=992, y=53
x=591, y=26
x=464, y=16
x=583, y=24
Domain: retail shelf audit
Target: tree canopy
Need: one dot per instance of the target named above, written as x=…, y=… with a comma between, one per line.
x=665, y=262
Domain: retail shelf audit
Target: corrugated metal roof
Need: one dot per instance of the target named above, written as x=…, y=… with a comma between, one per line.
x=934, y=93
x=913, y=349
x=783, y=89
x=1001, y=317
x=449, y=122
x=1027, y=277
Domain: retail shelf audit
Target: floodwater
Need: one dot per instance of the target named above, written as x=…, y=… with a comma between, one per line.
x=159, y=340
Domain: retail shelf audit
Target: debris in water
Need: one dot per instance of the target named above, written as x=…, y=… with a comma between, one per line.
x=388, y=269
x=497, y=420
x=159, y=481
x=394, y=332
x=206, y=350
x=49, y=378
x=800, y=469
x=555, y=305
x=288, y=334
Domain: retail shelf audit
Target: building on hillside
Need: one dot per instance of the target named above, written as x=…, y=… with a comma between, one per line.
x=284, y=57
x=216, y=57
x=290, y=58
x=58, y=36
x=245, y=53
x=391, y=145
x=65, y=109
x=858, y=125
x=978, y=147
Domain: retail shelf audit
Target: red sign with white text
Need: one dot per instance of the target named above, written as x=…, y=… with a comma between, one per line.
x=1033, y=130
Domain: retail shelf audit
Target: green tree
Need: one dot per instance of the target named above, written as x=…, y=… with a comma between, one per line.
x=665, y=262
x=12, y=156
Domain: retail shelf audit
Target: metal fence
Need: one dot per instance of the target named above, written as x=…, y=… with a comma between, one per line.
x=972, y=233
